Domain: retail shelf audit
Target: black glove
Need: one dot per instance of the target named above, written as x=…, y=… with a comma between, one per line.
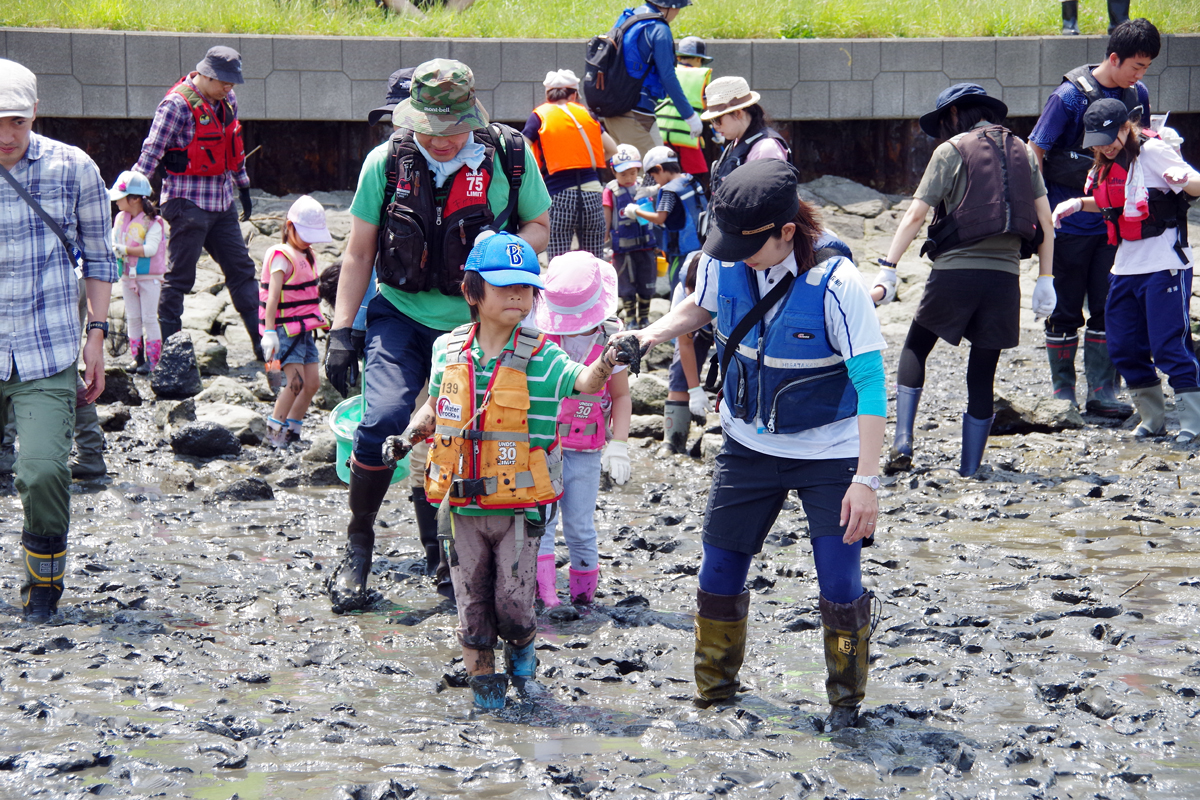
x=244, y=196
x=341, y=360
x=359, y=340
x=395, y=448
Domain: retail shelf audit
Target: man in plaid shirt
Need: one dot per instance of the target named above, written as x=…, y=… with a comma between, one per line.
x=197, y=197
x=39, y=321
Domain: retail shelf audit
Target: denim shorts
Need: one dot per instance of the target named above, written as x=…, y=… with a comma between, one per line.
x=305, y=350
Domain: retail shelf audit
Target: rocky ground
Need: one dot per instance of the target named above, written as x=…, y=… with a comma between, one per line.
x=1037, y=639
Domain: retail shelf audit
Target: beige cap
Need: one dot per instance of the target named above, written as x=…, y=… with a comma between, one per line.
x=18, y=90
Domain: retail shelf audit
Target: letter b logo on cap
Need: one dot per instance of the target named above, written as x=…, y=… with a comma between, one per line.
x=515, y=257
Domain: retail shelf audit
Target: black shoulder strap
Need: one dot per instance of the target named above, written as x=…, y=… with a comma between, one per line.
x=510, y=147
x=620, y=30
x=72, y=250
x=1082, y=79
x=751, y=319
x=392, y=174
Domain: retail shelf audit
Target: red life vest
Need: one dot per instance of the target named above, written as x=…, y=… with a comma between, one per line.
x=299, y=307
x=216, y=146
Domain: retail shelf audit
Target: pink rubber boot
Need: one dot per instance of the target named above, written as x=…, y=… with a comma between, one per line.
x=546, y=576
x=583, y=585
x=153, y=352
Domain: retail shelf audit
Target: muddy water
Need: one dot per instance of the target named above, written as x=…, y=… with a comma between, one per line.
x=1038, y=639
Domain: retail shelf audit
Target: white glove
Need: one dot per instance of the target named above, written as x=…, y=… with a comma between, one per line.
x=120, y=250
x=888, y=280
x=695, y=125
x=1177, y=176
x=1065, y=209
x=630, y=212
x=698, y=401
x=270, y=345
x=1044, y=297
x=615, y=461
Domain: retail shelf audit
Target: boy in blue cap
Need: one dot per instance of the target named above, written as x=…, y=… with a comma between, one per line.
x=495, y=463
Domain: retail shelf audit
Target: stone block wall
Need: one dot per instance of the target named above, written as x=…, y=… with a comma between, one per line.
x=124, y=75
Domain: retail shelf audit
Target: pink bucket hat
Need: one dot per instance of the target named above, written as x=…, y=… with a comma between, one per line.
x=580, y=293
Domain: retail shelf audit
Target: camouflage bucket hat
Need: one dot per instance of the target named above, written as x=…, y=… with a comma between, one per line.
x=443, y=100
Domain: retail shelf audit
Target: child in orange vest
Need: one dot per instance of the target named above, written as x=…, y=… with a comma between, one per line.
x=495, y=463
x=289, y=311
x=139, y=238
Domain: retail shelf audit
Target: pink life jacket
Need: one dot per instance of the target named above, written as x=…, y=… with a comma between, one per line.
x=299, y=307
x=133, y=231
x=582, y=420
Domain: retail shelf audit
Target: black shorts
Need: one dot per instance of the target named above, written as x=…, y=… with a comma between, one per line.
x=749, y=488
x=982, y=306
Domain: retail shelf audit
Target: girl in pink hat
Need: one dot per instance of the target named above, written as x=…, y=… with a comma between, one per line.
x=577, y=312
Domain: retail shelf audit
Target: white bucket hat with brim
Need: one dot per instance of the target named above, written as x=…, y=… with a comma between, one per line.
x=727, y=94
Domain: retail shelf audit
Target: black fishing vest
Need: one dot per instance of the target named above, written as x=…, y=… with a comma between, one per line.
x=735, y=154
x=1069, y=165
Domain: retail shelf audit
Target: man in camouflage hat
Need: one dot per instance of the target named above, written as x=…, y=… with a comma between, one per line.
x=422, y=198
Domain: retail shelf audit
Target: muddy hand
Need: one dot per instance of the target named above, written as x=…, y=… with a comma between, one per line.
x=395, y=448
x=628, y=350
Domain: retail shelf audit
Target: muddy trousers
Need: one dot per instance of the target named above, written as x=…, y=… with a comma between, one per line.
x=494, y=579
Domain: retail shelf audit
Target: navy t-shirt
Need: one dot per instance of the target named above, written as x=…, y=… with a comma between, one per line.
x=1060, y=126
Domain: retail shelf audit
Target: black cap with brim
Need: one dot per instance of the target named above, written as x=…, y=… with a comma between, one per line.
x=1102, y=122
x=962, y=95
x=399, y=90
x=754, y=202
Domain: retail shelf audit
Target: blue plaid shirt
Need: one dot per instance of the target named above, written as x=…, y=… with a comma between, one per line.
x=39, y=290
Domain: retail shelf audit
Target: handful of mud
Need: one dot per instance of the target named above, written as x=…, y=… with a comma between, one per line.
x=629, y=350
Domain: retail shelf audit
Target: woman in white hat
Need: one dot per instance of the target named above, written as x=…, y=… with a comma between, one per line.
x=570, y=148
x=734, y=111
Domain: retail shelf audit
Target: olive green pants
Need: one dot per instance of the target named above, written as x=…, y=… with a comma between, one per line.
x=44, y=410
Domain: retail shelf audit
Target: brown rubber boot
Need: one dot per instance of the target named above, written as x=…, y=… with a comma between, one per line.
x=847, y=633
x=720, y=645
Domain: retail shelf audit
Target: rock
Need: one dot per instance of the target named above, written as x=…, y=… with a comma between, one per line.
x=964, y=759
x=245, y=489
x=174, y=412
x=262, y=390
x=659, y=306
x=659, y=357
x=211, y=354
x=201, y=312
x=113, y=417
x=177, y=377
x=326, y=397
x=323, y=449
x=845, y=227
x=118, y=388
x=844, y=193
x=866, y=208
x=1026, y=415
x=324, y=475
x=1096, y=702
x=246, y=424
x=227, y=390
x=205, y=440
x=646, y=426
x=648, y=393
x=710, y=445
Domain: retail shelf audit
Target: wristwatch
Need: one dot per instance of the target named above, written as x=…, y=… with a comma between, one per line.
x=98, y=326
x=883, y=262
x=870, y=481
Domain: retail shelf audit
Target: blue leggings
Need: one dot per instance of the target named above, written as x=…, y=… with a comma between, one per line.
x=838, y=574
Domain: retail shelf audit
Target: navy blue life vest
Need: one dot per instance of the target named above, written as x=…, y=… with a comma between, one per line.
x=686, y=238
x=628, y=234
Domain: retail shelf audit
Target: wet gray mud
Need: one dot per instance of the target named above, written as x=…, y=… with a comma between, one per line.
x=1037, y=640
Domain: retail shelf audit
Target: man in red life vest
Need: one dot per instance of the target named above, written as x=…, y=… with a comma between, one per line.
x=197, y=140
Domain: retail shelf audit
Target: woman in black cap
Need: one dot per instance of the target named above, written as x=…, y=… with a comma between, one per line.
x=991, y=202
x=803, y=408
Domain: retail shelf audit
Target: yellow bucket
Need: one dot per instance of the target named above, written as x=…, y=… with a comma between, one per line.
x=662, y=266
x=343, y=421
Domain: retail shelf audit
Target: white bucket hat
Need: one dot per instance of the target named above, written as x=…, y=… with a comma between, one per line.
x=727, y=94
x=308, y=216
x=561, y=79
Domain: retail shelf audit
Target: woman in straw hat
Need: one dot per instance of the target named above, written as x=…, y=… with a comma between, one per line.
x=734, y=111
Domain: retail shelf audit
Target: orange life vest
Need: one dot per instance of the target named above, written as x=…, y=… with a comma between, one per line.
x=569, y=138
x=216, y=147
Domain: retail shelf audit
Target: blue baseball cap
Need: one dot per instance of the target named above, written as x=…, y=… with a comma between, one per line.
x=503, y=259
x=130, y=182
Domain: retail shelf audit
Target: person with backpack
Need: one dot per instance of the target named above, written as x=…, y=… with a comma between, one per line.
x=1083, y=256
x=422, y=198
x=631, y=69
x=694, y=72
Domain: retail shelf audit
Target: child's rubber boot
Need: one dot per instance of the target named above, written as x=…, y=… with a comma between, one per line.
x=135, y=350
x=276, y=433
x=677, y=421
x=547, y=576
x=520, y=661
x=153, y=354
x=582, y=585
x=489, y=690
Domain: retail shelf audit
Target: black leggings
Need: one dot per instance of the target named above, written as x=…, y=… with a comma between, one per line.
x=981, y=369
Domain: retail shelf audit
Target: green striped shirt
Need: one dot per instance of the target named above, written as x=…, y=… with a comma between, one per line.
x=551, y=376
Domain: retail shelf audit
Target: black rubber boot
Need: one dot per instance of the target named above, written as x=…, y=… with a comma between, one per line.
x=1118, y=12
x=847, y=634
x=900, y=455
x=250, y=320
x=169, y=328
x=1060, y=352
x=45, y=560
x=348, y=586
x=1102, y=378
x=426, y=514
x=720, y=645
x=1070, y=15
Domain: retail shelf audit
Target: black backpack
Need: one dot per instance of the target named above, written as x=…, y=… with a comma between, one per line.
x=608, y=88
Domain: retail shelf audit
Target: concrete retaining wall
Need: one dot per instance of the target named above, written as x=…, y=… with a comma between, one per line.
x=124, y=75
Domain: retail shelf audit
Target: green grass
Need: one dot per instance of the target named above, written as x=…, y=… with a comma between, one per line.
x=509, y=19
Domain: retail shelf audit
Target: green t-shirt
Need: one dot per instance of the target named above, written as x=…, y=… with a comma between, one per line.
x=945, y=179
x=434, y=309
x=551, y=376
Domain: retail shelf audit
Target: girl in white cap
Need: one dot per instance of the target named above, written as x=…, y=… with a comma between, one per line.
x=139, y=238
x=289, y=312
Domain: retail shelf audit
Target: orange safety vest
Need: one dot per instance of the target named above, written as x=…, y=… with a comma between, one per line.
x=569, y=138
x=481, y=454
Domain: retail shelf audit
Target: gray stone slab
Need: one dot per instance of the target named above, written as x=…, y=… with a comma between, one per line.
x=1151, y=82
x=1060, y=54
x=778, y=103
x=512, y=101
x=1164, y=57
x=4, y=43
x=98, y=59
x=283, y=95
x=888, y=91
x=44, y=52
x=776, y=65
x=571, y=56
x=1185, y=51
x=847, y=99
x=528, y=60
x=921, y=90
x=310, y=54
x=152, y=59
x=365, y=96
x=825, y=61
x=969, y=59
x=104, y=101
x=142, y=101
x=1195, y=101
x=324, y=95
x=258, y=55
x=1044, y=93
x=488, y=101
x=59, y=96
x=731, y=57
x=865, y=63
x=193, y=46
x=1097, y=47
x=252, y=99
x=991, y=86
x=484, y=57
x=414, y=52
x=371, y=59
x=1022, y=101
x=1018, y=62
x=911, y=55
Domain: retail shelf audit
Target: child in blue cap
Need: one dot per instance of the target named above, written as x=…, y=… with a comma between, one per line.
x=495, y=463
